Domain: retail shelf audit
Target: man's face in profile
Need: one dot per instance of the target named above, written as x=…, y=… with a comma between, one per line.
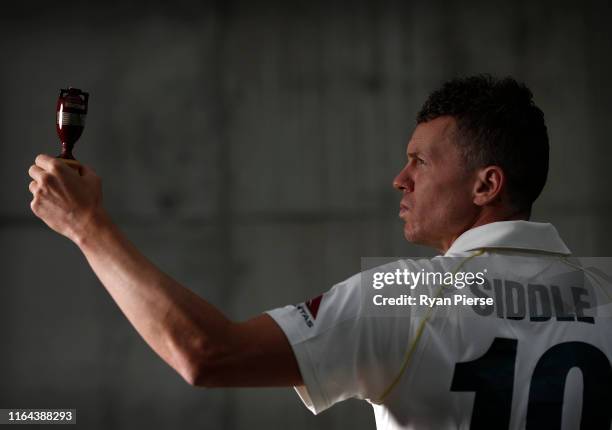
x=437, y=188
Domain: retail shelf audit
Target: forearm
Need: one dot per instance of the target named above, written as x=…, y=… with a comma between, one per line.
x=187, y=332
x=180, y=326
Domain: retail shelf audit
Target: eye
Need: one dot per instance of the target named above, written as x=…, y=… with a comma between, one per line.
x=418, y=161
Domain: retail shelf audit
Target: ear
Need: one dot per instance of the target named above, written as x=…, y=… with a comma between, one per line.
x=490, y=181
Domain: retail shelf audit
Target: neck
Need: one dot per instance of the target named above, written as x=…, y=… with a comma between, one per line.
x=482, y=218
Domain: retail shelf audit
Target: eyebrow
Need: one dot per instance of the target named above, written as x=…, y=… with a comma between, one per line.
x=413, y=154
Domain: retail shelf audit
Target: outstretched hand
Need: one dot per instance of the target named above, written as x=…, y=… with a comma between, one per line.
x=68, y=201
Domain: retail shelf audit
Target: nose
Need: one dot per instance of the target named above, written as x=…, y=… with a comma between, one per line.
x=403, y=181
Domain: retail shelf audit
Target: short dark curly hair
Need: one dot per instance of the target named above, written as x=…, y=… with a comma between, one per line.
x=497, y=124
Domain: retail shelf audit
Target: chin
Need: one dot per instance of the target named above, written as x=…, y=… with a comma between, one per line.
x=412, y=235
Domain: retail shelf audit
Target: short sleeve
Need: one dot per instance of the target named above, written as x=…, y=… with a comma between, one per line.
x=337, y=347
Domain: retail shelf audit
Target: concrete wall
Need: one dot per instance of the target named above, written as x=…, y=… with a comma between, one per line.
x=248, y=148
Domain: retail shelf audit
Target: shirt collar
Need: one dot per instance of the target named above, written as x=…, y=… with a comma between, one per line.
x=517, y=235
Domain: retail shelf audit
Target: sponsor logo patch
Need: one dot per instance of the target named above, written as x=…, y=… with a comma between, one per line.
x=313, y=306
x=310, y=309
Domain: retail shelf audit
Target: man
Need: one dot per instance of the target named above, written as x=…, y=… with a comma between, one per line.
x=477, y=161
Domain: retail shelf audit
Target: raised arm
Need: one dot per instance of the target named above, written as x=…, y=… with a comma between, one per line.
x=187, y=332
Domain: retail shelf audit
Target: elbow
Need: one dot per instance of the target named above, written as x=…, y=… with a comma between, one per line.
x=202, y=374
x=193, y=378
x=204, y=364
x=190, y=372
x=199, y=372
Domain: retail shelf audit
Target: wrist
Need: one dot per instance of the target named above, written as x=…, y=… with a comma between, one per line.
x=92, y=231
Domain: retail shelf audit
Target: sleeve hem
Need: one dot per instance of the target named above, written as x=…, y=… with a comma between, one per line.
x=310, y=393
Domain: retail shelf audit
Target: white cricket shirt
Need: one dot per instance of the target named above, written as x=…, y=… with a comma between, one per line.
x=535, y=359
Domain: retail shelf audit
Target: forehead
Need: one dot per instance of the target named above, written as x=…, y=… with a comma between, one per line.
x=434, y=137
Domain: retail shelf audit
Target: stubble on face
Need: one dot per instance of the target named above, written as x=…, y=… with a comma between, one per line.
x=437, y=200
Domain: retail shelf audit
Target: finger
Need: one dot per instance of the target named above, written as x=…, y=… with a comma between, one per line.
x=34, y=205
x=50, y=164
x=44, y=161
x=33, y=187
x=36, y=173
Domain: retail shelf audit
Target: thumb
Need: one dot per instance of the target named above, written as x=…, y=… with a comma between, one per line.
x=87, y=171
